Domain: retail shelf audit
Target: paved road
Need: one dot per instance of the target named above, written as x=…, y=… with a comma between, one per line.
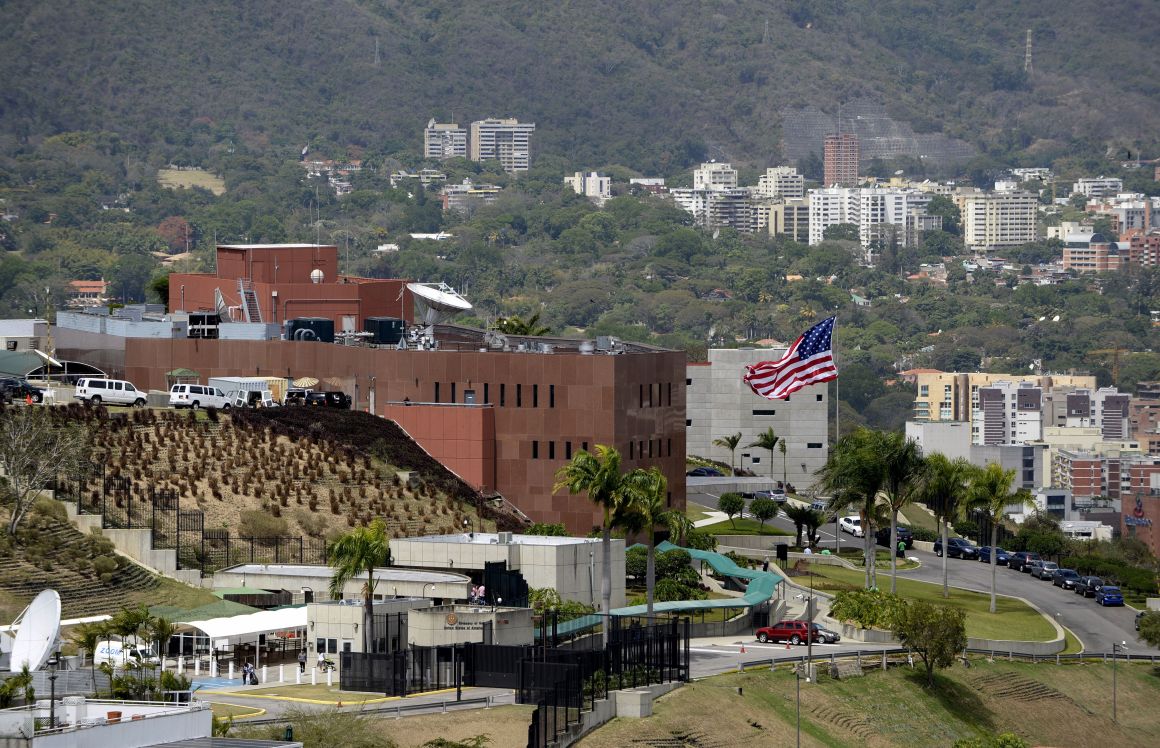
x=721, y=656
x=1097, y=627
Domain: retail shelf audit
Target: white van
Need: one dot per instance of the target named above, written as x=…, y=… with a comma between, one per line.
x=124, y=654
x=112, y=391
x=197, y=396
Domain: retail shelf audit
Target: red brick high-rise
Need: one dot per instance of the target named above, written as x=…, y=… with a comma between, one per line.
x=841, y=154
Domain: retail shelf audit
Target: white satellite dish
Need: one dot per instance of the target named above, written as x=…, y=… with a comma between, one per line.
x=37, y=632
x=1055, y=318
x=1042, y=318
x=437, y=302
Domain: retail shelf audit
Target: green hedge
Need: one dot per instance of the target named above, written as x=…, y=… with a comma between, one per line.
x=922, y=533
x=1127, y=576
x=867, y=608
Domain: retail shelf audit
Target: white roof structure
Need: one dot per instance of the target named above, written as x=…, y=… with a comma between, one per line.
x=252, y=624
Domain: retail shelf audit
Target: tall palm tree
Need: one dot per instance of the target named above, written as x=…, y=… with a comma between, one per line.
x=943, y=490
x=766, y=440
x=680, y=526
x=853, y=476
x=902, y=467
x=360, y=551
x=784, y=472
x=730, y=442
x=645, y=493
x=599, y=476
x=800, y=516
x=990, y=492
x=161, y=630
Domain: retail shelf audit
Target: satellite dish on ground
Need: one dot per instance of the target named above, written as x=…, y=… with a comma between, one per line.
x=437, y=302
x=37, y=632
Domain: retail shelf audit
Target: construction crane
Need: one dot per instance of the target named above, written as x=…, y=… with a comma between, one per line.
x=1115, y=354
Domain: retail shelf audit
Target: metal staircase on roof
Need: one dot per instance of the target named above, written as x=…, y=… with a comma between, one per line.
x=250, y=306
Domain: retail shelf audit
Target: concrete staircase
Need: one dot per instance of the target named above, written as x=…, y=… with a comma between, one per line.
x=138, y=546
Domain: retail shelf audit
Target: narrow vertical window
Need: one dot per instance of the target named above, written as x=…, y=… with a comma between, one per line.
x=436, y=392
x=567, y=450
x=551, y=450
x=502, y=395
x=535, y=395
x=453, y=392
x=551, y=395
x=535, y=450
x=486, y=393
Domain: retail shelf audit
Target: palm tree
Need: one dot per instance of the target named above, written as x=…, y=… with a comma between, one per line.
x=990, y=492
x=943, y=489
x=513, y=325
x=161, y=630
x=799, y=515
x=784, y=472
x=680, y=526
x=853, y=475
x=88, y=637
x=729, y=442
x=645, y=493
x=766, y=440
x=360, y=551
x=902, y=466
x=599, y=476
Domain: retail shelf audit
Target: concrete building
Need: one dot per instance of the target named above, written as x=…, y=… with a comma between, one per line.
x=596, y=188
x=1144, y=249
x=783, y=182
x=720, y=404
x=309, y=583
x=1098, y=187
x=1008, y=413
x=950, y=438
x=505, y=140
x=883, y=215
x=714, y=176
x=458, y=624
x=96, y=723
x=999, y=219
x=1099, y=255
x=840, y=157
x=789, y=217
x=1128, y=211
x=335, y=626
x=467, y=196
x=442, y=141
x=571, y=566
x=718, y=207
x=24, y=335
x=951, y=396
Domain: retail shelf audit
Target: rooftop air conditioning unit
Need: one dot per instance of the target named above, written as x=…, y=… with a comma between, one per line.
x=505, y=538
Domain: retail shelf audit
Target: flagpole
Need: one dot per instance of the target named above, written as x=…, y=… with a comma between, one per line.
x=837, y=383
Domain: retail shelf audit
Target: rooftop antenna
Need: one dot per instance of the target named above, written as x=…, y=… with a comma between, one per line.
x=1027, y=55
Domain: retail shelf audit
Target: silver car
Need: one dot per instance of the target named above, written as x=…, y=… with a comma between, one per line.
x=1045, y=570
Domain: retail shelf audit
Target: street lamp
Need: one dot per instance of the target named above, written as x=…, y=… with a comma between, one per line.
x=1116, y=648
x=53, y=663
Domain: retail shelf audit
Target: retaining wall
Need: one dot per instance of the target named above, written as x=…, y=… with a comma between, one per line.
x=137, y=545
x=629, y=703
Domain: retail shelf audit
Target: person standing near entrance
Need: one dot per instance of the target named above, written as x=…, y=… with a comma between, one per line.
x=302, y=660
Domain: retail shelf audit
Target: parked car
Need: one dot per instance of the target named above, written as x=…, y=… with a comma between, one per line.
x=194, y=396
x=956, y=548
x=826, y=636
x=1087, y=586
x=328, y=399
x=795, y=632
x=1045, y=570
x=882, y=536
x=112, y=391
x=13, y=388
x=1001, y=556
x=818, y=506
x=705, y=472
x=852, y=524
x=774, y=495
x=1016, y=561
x=1109, y=595
x=1065, y=578
x=1032, y=567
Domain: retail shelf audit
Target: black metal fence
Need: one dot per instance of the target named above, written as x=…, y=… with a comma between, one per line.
x=122, y=504
x=404, y=672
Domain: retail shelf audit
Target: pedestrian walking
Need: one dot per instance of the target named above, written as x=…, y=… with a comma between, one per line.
x=302, y=660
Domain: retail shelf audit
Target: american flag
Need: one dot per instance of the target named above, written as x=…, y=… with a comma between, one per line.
x=808, y=361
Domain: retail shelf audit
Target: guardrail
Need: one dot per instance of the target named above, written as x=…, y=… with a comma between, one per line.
x=882, y=656
x=399, y=710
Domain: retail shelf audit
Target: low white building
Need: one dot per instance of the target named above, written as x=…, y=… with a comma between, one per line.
x=718, y=404
x=310, y=583
x=441, y=625
x=596, y=188
x=1085, y=530
x=571, y=566
x=89, y=723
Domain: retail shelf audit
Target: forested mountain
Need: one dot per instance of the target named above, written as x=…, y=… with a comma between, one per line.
x=652, y=85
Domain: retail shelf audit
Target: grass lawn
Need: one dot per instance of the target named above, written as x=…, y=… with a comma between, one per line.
x=174, y=178
x=696, y=512
x=1013, y=618
x=743, y=527
x=237, y=711
x=918, y=517
x=1045, y=704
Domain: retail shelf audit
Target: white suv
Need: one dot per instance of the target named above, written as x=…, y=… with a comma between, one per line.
x=112, y=391
x=852, y=524
x=196, y=396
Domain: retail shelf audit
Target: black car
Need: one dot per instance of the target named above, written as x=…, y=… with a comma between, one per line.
x=956, y=548
x=1087, y=586
x=328, y=399
x=704, y=472
x=1017, y=561
x=12, y=389
x=1065, y=578
x=882, y=536
x=1001, y=556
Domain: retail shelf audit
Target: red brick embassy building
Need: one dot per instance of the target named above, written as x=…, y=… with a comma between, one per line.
x=502, y=414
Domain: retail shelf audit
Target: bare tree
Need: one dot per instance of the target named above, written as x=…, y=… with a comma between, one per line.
x=34, y=449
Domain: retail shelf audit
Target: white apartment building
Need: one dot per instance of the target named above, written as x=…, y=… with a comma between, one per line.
x=1007, y=413
x=718, y=208
x=999, y=219
x=783, y=182
x=591, y=185
x=1129, y=210
x=442, y=141
x=505, y=140
x=1042, y=173
x=1097, y=187
x=719, y=404
x=882, y=214
x=715, y=176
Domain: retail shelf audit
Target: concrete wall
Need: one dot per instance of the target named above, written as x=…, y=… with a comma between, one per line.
x=720, y=404
x=450, y=586
x=460, y=436
x=155, y=724
x=137, y=545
